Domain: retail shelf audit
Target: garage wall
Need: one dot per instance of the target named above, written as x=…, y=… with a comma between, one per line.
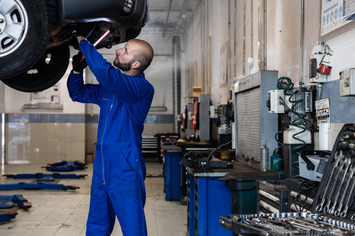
x=43, y=136
x=232, y=32
x=224, y=37
x=160, y=75
x=236, y=29
x=284, y=35
x=208, y=51
x=343, y=47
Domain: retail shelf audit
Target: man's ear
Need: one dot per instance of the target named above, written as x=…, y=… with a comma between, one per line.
x=136, y=65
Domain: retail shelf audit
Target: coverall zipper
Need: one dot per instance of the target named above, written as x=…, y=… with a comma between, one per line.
x=102, y=140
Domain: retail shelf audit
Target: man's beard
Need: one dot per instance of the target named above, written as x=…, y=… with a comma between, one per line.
x=123, y=66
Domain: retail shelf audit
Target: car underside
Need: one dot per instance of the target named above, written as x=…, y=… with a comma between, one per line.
x=35, y=35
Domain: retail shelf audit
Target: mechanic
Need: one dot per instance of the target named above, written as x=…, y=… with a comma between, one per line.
x=124, y=97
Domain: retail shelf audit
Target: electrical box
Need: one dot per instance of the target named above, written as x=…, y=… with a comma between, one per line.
x=274, y=101
x=347, y=82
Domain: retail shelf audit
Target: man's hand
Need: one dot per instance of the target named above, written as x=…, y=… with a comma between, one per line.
x=79, y=38
x=79, y=63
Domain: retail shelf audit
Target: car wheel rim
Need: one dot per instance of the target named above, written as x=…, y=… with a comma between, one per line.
x=13, y=26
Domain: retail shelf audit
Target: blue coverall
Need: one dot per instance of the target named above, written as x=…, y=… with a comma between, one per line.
x=119, y=169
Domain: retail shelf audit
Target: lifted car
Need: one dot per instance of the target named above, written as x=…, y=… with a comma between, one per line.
x=35, y=35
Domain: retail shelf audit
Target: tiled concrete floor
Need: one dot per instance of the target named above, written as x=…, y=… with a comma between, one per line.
x=65, y=212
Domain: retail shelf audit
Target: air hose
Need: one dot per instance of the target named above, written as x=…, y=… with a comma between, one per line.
x=285, y=84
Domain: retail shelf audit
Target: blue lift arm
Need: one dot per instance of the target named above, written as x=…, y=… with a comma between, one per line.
x=4, y=217
x=10, y=204
x=42, y=176
x=65, y=166
x=7, y=201
x=36, y=186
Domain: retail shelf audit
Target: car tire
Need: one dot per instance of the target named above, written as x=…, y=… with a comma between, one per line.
x=48, y=70
x=27, y=29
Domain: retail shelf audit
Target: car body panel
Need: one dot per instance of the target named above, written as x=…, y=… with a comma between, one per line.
x=123, y=13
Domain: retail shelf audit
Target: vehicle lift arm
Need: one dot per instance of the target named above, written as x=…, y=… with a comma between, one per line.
x=42, y=176
x=36, y=186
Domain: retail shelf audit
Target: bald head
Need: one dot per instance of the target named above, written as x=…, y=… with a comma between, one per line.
x=143, y=52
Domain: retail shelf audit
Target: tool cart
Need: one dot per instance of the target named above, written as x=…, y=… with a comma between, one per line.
x=333, y=207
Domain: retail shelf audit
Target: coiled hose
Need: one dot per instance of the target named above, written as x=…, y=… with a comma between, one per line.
x=285, y=84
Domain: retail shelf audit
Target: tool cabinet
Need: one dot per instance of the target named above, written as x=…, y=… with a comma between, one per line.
x=333, y=207
x=207, y=199
x=172, y=175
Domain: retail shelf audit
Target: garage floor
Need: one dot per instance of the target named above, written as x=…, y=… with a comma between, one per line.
x=65, y=212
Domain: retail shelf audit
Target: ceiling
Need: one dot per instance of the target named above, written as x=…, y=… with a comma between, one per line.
x=170, y=16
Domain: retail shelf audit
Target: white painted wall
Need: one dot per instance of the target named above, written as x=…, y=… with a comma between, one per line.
x=283, y=41
x=215, y=38
x=234, y=26
x=343, y=47
x=159, y=73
